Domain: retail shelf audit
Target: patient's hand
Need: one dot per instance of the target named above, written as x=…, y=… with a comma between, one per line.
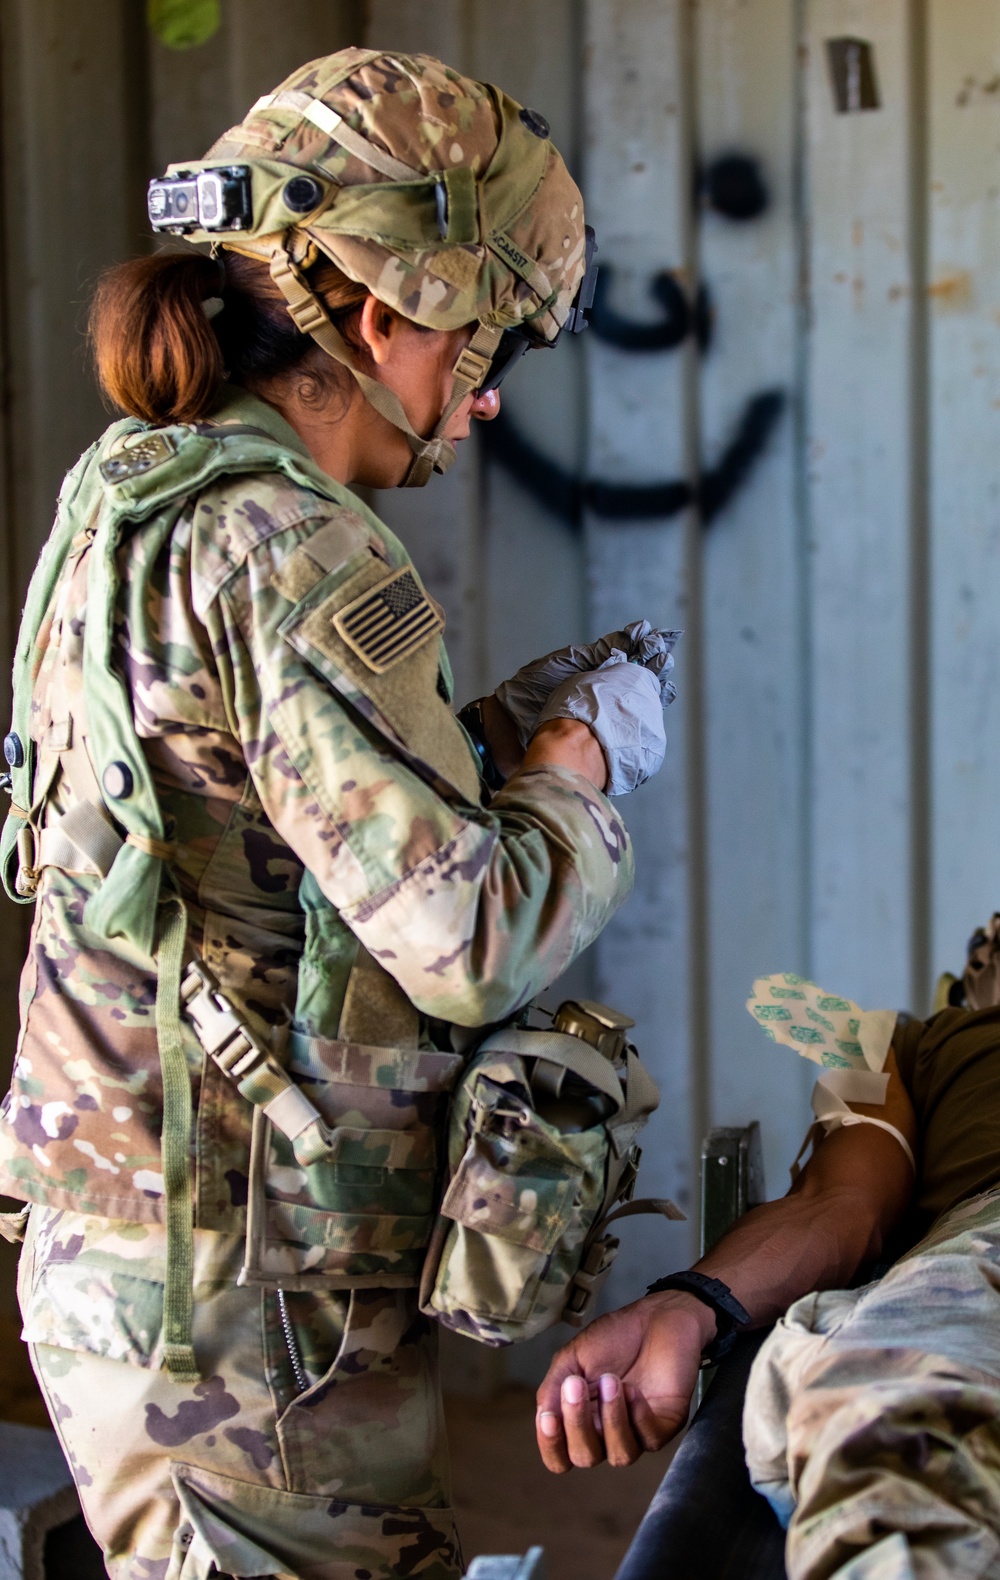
x=624, y=1386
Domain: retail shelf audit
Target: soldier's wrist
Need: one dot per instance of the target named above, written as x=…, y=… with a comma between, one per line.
x=568, y=743
x=701, y=1317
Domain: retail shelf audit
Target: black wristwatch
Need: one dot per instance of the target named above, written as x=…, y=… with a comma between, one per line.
x=471, y=718
x=730, y=1316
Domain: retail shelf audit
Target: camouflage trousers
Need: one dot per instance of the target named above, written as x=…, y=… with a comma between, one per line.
x=872, y=1416
x=245, y=1472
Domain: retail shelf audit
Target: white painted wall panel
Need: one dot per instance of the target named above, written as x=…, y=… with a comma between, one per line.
x=753, y=581
x=859, y=512
x=637, y=184
x=964, y=393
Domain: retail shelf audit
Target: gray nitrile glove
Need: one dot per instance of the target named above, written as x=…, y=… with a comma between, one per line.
x=526, y=693
x=622, y=704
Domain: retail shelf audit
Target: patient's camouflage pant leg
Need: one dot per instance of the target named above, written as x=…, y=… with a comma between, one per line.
x=872, y=1417
x=244, y=1472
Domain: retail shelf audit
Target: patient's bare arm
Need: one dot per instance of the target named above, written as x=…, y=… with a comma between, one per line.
x=625, y=1384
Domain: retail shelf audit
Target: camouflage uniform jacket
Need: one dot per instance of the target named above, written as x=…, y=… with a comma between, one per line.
x=337, y=863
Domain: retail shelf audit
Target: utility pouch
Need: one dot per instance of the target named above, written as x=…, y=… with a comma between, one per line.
x=541, y=1147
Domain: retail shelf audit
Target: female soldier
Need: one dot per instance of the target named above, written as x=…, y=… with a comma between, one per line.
x=233, y=751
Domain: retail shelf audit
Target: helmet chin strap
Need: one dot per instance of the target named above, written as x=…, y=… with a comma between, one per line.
x=435, y=454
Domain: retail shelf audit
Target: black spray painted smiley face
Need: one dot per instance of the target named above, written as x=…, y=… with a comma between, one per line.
x=733, y=186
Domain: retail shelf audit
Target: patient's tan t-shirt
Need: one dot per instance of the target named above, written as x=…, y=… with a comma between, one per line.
x=950, y=1065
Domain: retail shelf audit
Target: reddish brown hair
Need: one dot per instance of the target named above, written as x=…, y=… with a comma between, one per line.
x=158, y=355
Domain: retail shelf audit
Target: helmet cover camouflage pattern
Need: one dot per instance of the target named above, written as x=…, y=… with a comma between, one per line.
x=447, y=154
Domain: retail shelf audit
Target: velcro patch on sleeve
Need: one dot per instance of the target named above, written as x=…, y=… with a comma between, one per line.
x=327, y=549
x=389, y=622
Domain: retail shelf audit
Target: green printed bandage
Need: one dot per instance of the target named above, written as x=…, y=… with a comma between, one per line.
x=831, y=1031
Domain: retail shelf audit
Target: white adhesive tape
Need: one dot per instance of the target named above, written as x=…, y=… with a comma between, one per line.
x=830, y=1107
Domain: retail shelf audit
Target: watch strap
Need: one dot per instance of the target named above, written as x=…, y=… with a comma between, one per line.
x=730, y=1316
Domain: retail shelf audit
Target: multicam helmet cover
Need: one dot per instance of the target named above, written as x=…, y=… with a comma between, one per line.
x=440, y=194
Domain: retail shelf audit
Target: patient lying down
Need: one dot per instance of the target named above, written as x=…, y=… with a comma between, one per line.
x=872, y=1419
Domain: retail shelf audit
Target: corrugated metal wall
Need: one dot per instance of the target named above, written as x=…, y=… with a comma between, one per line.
x=833, y=410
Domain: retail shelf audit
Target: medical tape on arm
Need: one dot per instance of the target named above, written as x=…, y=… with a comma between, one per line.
x=850, y=1044
x=837, y=1089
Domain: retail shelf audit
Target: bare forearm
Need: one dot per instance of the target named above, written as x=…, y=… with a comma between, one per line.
x=786, y=1248
x=852, y=1193
x=564, y=743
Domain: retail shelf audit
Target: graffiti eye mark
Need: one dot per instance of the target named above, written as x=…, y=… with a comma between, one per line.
x=679, y=318
x=734, y=186
x=567, y=497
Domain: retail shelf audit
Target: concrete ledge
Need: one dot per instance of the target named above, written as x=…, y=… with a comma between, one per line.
x=36, y=1495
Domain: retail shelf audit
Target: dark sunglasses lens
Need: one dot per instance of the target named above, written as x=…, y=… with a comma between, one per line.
x=511, y=349
x=583, y=301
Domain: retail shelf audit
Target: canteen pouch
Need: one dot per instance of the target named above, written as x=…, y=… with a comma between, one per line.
x=541, y=1145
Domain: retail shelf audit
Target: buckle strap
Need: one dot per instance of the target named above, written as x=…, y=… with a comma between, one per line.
x=225, y=1035
x=308, y=315
x=253, y=1068
x=262, y=1080
x=471, y=367
x=600, y=1252
x=178, y=1292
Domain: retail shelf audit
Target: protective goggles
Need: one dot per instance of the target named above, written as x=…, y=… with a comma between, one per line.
x=514, y=342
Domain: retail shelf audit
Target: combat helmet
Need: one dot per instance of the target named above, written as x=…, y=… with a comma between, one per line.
x=440, y=194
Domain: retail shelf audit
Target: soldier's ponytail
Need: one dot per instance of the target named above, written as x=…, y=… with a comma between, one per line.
x=169, y=330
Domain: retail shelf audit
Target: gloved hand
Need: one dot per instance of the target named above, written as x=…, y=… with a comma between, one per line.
x=623, y=705
x=525, y=694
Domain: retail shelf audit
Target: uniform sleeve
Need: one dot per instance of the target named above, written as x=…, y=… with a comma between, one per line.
x=473, y=910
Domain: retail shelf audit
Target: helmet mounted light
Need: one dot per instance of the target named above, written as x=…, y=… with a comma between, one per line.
x=217, y=199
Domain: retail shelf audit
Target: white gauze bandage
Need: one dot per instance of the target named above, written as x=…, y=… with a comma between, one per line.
x=849, y=1043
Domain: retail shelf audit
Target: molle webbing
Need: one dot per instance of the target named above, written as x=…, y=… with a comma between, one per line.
x=125, y=843
x=178, y=1291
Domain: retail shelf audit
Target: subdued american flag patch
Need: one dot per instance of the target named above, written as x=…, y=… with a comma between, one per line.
x=389, y=622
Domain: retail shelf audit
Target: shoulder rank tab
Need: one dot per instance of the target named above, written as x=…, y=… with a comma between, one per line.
x=137, y=453
x=389, y=621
